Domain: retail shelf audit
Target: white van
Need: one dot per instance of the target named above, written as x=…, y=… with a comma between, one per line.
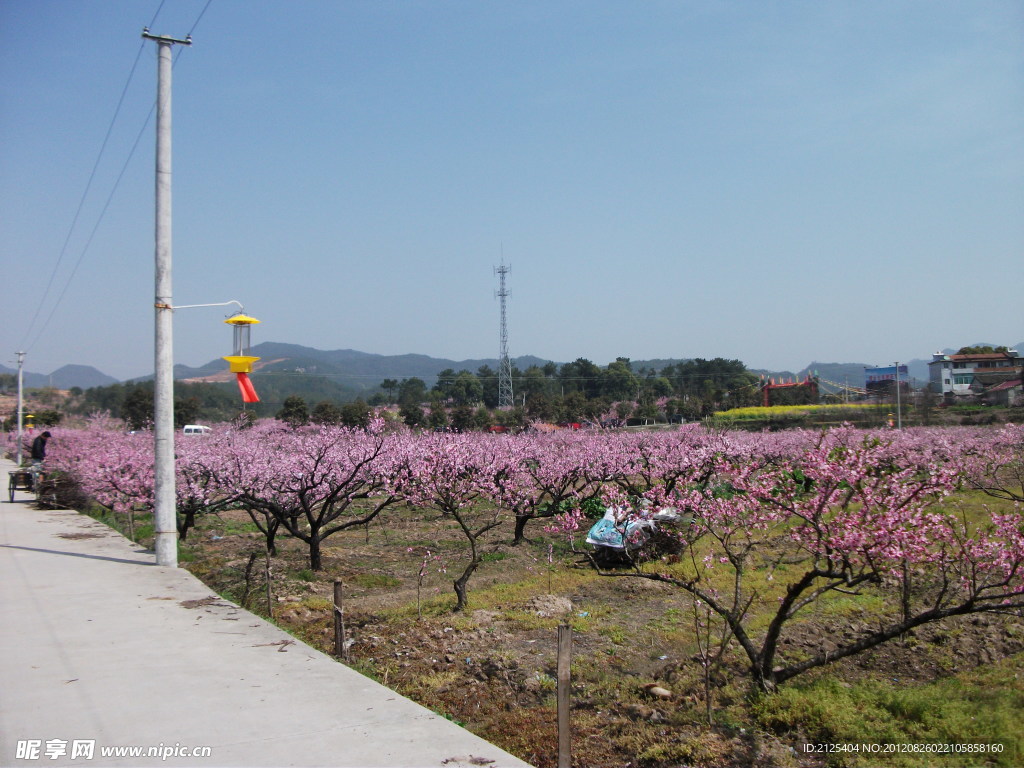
x=196, y=429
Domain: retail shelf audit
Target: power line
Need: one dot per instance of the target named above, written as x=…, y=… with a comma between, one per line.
x=198, y=19
x=110, y=197
x=85, y=194
x=96, y=226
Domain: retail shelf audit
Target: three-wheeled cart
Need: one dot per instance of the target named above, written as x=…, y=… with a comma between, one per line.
x=20, y=480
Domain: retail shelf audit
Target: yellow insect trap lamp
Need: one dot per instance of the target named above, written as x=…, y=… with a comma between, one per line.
x=241, y=361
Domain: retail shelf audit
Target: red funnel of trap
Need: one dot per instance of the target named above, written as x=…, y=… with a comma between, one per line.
x=247, y=389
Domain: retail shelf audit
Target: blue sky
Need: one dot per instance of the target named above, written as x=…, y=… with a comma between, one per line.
x=778, y=182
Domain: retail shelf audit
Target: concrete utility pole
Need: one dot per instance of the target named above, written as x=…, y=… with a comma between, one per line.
x=163, y=390
x=21, y=404
x=899, y=412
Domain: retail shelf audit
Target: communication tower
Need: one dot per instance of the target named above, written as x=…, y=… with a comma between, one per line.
x=504, y=363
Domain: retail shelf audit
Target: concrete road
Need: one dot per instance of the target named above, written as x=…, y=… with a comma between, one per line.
x=102, y=650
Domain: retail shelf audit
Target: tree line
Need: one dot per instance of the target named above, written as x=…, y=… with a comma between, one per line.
x=576, y=392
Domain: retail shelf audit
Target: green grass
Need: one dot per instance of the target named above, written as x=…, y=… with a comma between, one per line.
x=145, y=530
x=227, y=527
x=982, y=707
x=838, y=605
x=614, y=632
x=563, y=582
x=316, y=603
x=375, y=580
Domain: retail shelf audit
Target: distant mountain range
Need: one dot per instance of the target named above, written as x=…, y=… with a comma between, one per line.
x=346, y=364
x=84, y=376
x=365, y=371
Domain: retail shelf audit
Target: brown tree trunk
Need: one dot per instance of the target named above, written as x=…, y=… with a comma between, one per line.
x=461, y=584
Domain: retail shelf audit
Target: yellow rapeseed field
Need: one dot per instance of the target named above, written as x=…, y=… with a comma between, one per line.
x=797, y=411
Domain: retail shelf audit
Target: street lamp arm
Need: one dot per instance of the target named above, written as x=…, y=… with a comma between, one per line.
x=192, y=306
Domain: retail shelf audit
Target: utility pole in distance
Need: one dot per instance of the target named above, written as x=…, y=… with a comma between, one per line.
x=164, y=518
x=21, y=405
x=899, y=410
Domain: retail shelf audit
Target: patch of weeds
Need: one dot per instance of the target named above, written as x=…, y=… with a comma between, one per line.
x=599, y=681
x=427, y=686
x=982, y=707
x=145, y=531
x=705, y=749
x=441, y=679
x=948, y=661
x=587, y=618
x=309, y=633
x=253, y=607
x=976, y=506
x=528, y=620
x=594, y=612
x=615, y=633
x=305, y=575
x=494, y=595
x=581, y=623
x=530, y=732
x=842, y=606
x=435, y=607
x=673, y=615
x=366, y=668
x=493, y=557
x=316, y=603
x=545, y=682
x=141, y=522
x=375, y=580
x=226, y=526
x=680, y=642
x=670, y=620
x=560, y=582
x=561, y=548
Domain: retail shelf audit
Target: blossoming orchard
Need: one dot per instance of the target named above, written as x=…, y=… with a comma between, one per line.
x=772, y=522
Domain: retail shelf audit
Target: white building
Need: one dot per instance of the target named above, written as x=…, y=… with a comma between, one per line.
x=972, y=374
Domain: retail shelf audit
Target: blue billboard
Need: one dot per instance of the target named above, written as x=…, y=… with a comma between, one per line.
x=880, y=378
